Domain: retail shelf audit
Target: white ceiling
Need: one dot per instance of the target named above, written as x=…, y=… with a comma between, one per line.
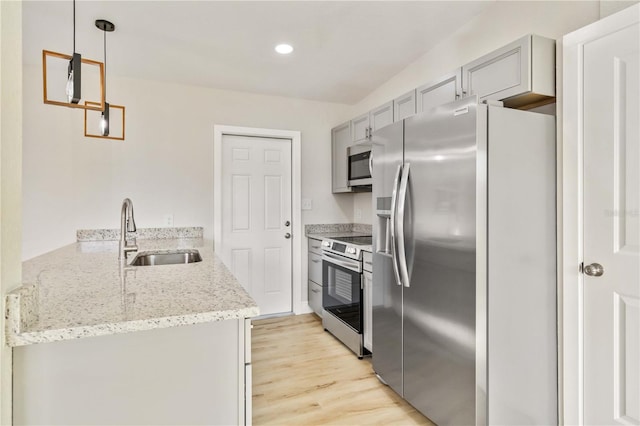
x=343, y=50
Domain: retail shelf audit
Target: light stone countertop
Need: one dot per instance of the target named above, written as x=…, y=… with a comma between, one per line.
x=81, y=290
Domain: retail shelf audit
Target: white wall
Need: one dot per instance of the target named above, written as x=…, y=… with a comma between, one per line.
x=10, y=178
x=165, y=165
x=500, y=24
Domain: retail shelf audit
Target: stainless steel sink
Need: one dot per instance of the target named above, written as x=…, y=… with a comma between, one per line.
x=174, y=257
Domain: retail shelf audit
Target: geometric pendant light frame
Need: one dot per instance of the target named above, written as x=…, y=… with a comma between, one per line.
x=89, y=105
x=105, y=26
x=74, y=80
x=95, y=106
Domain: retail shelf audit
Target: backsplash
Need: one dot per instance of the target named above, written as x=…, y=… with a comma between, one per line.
x=141, y=233
x=337, y=227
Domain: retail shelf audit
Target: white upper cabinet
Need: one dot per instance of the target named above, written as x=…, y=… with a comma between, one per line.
x=404, y=106
x=340, y=141
x=444, y=90
x=524, y=69
x=360, y=128
x=380, y=117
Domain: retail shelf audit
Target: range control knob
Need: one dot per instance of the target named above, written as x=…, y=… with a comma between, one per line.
x=326, y=244
x=351, y=250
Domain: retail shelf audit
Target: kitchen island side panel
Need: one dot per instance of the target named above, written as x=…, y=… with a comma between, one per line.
x=180, y=375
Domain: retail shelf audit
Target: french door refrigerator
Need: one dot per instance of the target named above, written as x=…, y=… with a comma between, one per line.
x=464, y=268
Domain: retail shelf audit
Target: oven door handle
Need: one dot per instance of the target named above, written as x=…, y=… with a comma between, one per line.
x=351, y=265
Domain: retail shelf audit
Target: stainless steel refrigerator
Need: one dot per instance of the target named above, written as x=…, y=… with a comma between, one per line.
x=464, y=268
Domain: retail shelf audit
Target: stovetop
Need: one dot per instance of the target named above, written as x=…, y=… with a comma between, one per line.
x=361, y=240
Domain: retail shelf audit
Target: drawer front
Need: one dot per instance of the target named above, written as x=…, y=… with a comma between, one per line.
x=315, y=297
x=367, y=261
x=315, y=268
x=315, y=246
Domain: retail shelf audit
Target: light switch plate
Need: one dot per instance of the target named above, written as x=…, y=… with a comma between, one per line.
x=358, y=214
x=167, y=220
x=307, y=204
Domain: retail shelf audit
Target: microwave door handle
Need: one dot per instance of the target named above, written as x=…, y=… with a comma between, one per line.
x=394, y=245
x=371, y=164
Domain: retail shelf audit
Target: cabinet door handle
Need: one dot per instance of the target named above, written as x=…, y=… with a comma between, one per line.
x=315, y=261
x=315, y=291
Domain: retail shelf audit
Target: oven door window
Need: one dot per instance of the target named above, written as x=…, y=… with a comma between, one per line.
x=359, y=166
x=341, y=294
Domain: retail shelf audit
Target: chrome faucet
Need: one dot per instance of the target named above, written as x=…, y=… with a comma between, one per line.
x=127, y=224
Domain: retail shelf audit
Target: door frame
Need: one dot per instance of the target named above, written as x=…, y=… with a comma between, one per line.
x=297, y=243
x=570, y=210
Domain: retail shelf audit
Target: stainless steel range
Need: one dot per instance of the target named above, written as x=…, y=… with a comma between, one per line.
x=342, y=294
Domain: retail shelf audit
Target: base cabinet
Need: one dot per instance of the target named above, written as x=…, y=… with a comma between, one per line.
x=315, y=276
x=195, y=374
x=315, y=298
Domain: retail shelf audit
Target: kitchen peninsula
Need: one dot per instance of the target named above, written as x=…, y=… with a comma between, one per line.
x=99, y=341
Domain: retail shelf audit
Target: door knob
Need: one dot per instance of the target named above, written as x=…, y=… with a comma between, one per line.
x=594, y=270
x=287, y=223
x=287, y=235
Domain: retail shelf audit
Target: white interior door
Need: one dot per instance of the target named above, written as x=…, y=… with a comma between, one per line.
x=611, y=317
x=256, y=218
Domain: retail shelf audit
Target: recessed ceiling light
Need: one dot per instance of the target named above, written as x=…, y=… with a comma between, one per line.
x=284, y=49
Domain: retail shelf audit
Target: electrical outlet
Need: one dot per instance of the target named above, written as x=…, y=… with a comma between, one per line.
x=307, y=204
x=167, y=220
x=358, y=214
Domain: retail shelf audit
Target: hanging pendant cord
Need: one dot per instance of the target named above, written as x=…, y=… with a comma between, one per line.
x=74, y=26
x=105, y=62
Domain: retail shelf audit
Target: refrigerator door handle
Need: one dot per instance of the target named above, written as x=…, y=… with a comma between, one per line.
x=402, y=200
x=394, y=245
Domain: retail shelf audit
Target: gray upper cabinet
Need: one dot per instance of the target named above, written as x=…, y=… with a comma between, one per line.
x=360, y=128
x=444, y=90
x=380, y=117
x=520, y=73
x=363, y=125
x=404, y=106
x=340, y=141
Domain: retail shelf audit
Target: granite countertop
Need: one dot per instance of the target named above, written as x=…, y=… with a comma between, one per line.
x=83, y=290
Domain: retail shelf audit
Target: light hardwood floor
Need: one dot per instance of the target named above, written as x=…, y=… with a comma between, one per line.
x=302, y=375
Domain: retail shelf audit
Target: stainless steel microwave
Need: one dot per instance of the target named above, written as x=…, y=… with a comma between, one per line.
x=359, y=165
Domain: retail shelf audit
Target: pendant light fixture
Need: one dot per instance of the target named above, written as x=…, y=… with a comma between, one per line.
x=73, y=90
x=74, y=71
x=105, y=127
x=105, y=26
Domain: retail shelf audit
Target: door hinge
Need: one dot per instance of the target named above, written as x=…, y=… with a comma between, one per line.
x=581, y=267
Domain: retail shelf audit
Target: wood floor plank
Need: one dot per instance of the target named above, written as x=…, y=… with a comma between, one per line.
x=302, y=375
